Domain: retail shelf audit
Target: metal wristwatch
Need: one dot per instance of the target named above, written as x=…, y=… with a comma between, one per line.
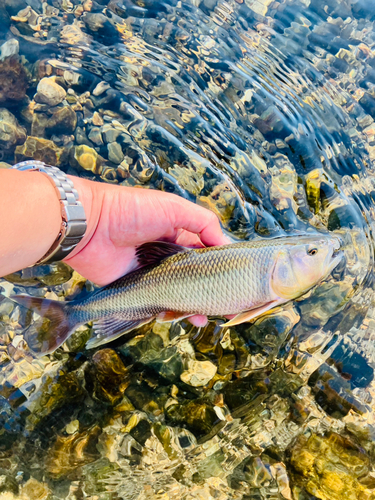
x=73, y=225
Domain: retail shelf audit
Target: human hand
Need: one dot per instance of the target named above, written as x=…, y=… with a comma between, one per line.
x=122, y=218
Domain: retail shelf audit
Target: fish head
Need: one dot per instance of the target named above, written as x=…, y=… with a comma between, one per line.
x=303, y=263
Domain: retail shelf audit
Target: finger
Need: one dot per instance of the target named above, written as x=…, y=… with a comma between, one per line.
x=198, y=220
x=187, y=239
x=198, y=320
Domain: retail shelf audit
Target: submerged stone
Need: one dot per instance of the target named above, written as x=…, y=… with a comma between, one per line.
x=111, y=376
x=13, y=81
x=11, y=134
x=63, y=121
x=34, y=490
x=72, y=451
x=87, y=158
x=49, y=92
x=10, y=48
x=198, y=373
x=330, y=467
x=36, y=148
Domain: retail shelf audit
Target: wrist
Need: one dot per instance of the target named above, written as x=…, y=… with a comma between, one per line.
x=91, y=198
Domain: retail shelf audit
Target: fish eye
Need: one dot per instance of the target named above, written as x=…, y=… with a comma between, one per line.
x=312, y=251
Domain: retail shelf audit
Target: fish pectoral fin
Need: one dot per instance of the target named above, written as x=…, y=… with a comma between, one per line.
x=167, y=316
x=156, y=251
x=253, y=313
x=108, y=329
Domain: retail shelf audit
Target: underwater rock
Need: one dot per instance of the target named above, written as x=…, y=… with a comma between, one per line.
x=109, y=133
x=34, y=490
x=109, y=174
x=54, y=274
x=197, y=416
x=38, y=123
x=13, y=81
x=7, y=483
x=199, y=373
x=95, y=136
x=110, y=377
x=330, y=467
x=10, y=48
x=222, y=201
x=29, y=21
x=57, y=389
x=189, y=177
x=138, y=166
x=72, y=451
x=97, y=120
x=100, y=88
x=81, y=138
x=333, y=393
x=50, y=275
x=96, y=478
x=87, y=158
x=115, y=154
x=11, y=133
x=63, y=121
x=35, y=148
x=49, y=92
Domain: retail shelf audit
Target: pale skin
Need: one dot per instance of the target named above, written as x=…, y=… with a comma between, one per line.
x=118, y=220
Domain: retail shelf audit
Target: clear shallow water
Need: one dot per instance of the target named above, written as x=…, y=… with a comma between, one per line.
x=262, y=112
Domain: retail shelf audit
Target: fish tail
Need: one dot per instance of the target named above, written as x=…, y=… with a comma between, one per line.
x=44, y=336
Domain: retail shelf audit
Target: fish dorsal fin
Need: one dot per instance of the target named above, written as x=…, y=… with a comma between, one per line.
x=156, y=251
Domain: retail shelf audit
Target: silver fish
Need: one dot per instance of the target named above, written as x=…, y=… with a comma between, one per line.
x=243, y=279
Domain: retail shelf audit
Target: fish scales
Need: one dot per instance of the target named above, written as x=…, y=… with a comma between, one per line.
x=202, y=281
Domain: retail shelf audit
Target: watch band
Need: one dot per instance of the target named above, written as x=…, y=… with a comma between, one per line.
x=73, y=225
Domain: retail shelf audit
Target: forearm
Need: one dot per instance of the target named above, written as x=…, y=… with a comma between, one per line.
x=30, y=219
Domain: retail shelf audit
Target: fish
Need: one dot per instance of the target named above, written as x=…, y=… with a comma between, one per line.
x=172, y=282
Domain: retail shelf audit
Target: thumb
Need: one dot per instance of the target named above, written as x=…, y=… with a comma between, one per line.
x=199, y=220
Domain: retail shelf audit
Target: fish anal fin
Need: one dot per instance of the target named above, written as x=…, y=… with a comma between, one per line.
x=167, y=316
x=111, y=328
x=252, y=314
x=156, y=251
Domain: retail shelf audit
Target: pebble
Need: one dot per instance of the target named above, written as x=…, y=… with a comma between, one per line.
x=11, y=133
x=97, y=119
x=9, y=48
x=115, y=154
x=49, y=92
x=95, y=136
x=110, y=134
x=63, y=121
x=100, y=88
x=199, y=373
x=87, y=158
x=35, y=148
